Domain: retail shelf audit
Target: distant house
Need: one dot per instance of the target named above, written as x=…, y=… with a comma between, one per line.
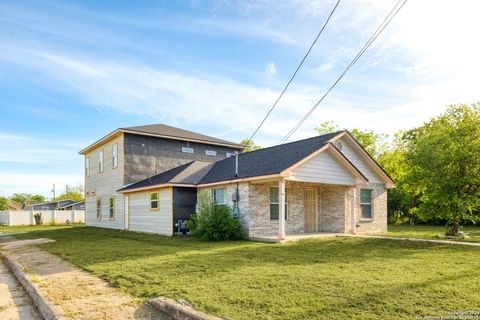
x=54, y=205
x=14, y=206
x=326, y=183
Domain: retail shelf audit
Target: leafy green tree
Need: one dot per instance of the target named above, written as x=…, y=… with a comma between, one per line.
x=443, y=155
x=3, y=204
x=249, y=145
x=22, y=197
x=72, y=193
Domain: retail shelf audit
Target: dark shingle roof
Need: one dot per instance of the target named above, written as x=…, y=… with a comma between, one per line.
x=188, y=174
x=266, y=161
x=168, y=131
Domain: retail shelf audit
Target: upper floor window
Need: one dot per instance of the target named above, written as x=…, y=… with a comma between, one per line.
x=275, y=203
x=87, y=166
x=187, y=150
x=100, y=161
x=211, y=153
x=220, y=195
x=115, y=155
x=366, y=203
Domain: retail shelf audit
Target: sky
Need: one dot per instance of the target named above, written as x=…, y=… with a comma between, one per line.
x=73, y=71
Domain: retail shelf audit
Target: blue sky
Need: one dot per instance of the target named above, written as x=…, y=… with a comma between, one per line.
x=71, y=72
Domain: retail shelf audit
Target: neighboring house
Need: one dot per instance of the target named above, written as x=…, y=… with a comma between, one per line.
x=49, y=205
x=327, y=183
x=79, y=205
x=14, y=206
x=128, y=155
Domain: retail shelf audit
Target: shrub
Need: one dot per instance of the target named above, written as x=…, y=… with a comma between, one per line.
x=214, y=221
x=38, y=218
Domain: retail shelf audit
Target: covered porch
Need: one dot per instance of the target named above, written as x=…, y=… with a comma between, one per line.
x=288, y=209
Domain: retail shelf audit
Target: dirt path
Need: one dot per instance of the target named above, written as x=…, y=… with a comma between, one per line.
x=78, y=294
x=14, y=301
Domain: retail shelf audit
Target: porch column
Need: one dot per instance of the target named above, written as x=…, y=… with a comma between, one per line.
x=281, y=209
x=352, y=209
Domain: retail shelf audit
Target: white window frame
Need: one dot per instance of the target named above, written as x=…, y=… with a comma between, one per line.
x=277, y=203
x=214, y=195
x=101, y=162
x=228, y=154
x=187, y=150
x=111, y=208
x=87, y=166
x=157, y=200
x=115, y=155
x=366, y=204
x=211, y=153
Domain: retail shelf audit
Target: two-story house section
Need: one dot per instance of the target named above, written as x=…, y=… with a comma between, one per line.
x=128, y=155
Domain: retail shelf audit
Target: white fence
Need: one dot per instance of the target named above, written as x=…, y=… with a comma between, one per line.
x=19, y=218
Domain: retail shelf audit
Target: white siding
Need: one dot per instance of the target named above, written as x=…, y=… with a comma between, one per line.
x=144, y=220
x=358, y=161
x=323, y=168
x=105, y=185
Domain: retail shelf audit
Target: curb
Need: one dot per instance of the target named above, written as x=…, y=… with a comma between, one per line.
x=45, y=308
x=179, y=311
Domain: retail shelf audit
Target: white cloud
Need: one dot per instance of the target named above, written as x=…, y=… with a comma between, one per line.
x=271, y=69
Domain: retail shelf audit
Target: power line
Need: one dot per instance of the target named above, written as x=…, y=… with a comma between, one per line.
x=377, y=32
x=295, y=73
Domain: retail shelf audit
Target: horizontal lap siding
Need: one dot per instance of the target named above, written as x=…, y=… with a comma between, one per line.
x=144, y=220
x=323, y=168
x=105, y=185
x=358, y=161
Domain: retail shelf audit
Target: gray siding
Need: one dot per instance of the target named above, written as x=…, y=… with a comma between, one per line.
x=146, y=156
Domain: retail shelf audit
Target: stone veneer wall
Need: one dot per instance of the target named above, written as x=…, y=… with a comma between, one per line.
x=334, y=203
x=378, y=223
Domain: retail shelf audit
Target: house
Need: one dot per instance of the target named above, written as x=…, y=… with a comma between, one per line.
x=327, y=183
x=52, y=205
x=129, y=155
x=78, y=205
x=14, y=206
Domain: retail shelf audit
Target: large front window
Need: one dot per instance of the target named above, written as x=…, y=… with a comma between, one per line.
x=220, y=195
x=366, y=203
x=275, y=203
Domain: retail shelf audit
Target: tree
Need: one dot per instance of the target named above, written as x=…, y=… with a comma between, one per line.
x=23, y=197
x=4, y=204
x=249, y=145
x=444, y=157
x=72, y=193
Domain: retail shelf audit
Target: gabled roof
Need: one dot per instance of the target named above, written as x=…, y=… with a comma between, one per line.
x=166, y=132
x=188, y=174
x=267, y=161
x=71, y=204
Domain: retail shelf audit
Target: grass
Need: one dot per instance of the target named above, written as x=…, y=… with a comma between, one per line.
x=337, y=278
x=472, y=233
x=18, y=229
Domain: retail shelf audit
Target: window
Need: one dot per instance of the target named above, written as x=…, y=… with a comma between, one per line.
x=187, y=150
x=115, y=155
x=211, y=153
x=100, y=161
x=220, y=195
x=274, y=203
x=87, y=166
x=154, y=201
x=366, y=203
x=99, y=209
x=228, y=154
x=111, y=207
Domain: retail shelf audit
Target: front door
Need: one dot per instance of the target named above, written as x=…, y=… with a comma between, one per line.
x=310, y=208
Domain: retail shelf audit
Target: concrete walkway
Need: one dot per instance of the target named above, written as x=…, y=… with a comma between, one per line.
x=77, y=294
x=15, y=304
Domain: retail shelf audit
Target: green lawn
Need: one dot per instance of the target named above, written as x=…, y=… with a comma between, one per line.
x=337, y=278
x=472, y=233
x=17, y=229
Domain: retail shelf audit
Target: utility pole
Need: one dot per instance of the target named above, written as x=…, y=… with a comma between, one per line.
x=53, y=191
